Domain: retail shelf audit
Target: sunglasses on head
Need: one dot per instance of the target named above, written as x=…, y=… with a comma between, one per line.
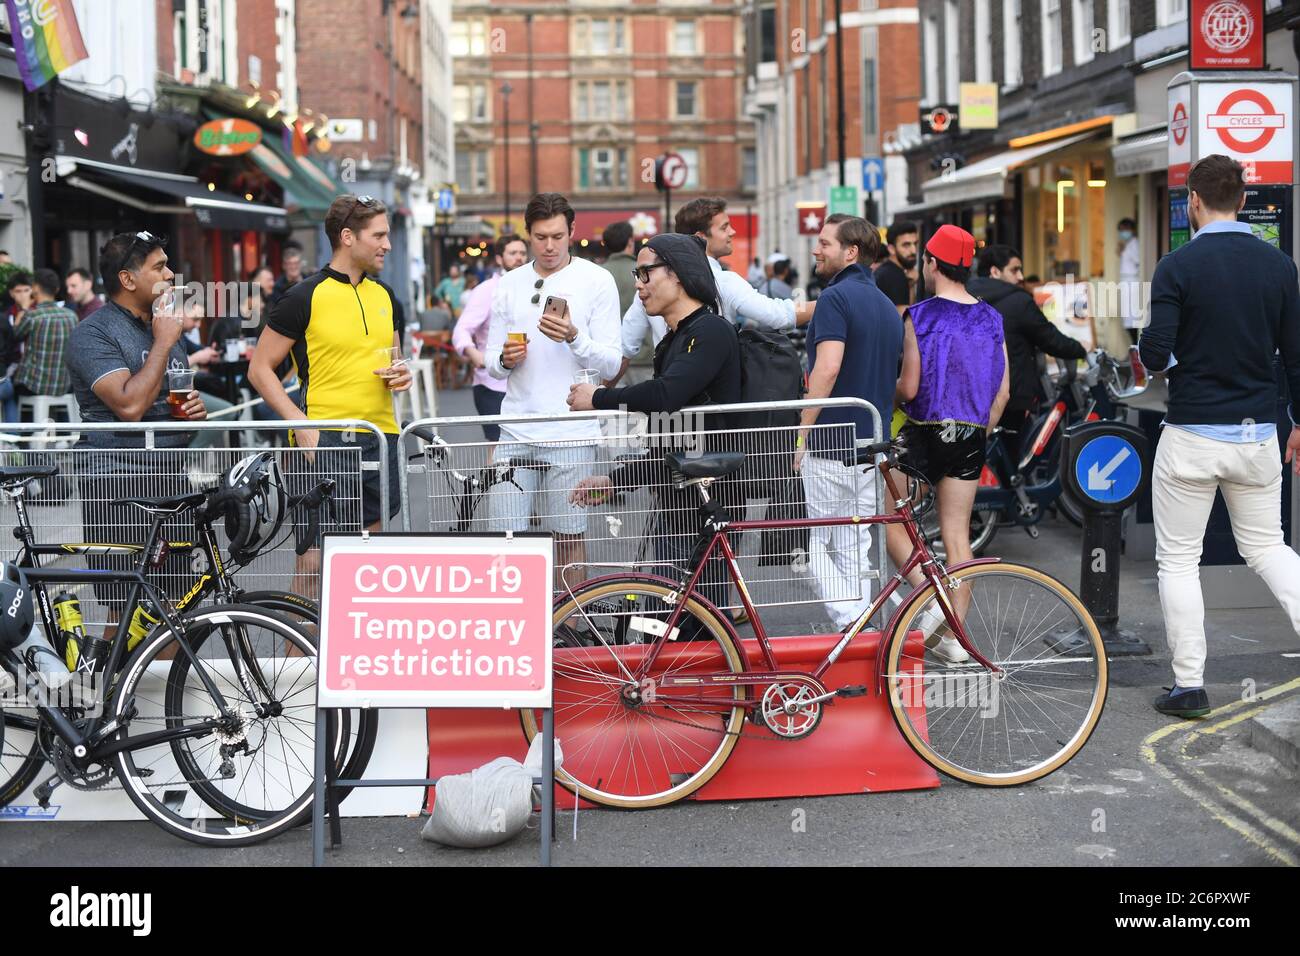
x=149, y=240
x=358, y=202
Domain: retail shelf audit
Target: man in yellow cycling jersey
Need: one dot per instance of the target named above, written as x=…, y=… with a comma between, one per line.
x=336, y=324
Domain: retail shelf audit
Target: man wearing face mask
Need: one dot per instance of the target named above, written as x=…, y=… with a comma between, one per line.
x=1223, y=308
x=1130, y=277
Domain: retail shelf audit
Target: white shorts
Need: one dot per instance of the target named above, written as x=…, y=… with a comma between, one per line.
x=539, y=483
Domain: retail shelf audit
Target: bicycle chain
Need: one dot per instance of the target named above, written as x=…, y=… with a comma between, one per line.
x=772, y=738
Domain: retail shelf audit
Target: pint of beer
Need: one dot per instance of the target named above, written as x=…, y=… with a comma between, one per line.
x=180, y=382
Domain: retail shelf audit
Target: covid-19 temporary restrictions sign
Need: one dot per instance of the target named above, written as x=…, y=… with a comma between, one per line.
x=414, y=620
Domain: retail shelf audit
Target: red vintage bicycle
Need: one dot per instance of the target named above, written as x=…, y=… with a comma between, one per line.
x=653, y=686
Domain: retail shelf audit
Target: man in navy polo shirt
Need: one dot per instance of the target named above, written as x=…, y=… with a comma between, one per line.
x=855, y=344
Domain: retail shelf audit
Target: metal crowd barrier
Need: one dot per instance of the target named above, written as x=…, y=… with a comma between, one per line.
x=464, y=483
x=74, y=507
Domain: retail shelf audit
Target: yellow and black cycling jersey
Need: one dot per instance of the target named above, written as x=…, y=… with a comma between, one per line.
x=337, y=328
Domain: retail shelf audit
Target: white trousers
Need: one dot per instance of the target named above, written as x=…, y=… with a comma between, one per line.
x=839, y=556
x=1189, y=468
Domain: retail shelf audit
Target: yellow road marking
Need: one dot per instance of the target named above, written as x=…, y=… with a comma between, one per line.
x=1228, y=716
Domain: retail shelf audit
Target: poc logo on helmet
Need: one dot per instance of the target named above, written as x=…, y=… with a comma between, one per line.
x=16, y=603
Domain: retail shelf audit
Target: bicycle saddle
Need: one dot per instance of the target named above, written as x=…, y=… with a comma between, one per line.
x=717, y=464
x=168, y=504
x=9, y=475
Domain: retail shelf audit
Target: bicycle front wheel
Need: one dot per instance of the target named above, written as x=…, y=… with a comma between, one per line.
x=628, y=740
x=21, y=758
x=254, y=769
x=1020, y=722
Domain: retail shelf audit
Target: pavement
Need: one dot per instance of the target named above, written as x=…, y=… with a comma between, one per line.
x=1147, y=790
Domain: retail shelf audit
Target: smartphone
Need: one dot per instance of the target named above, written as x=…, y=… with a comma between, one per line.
x=555, y=306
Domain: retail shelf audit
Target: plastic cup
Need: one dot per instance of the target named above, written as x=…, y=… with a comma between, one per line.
x=180, y=382
x=587, y=376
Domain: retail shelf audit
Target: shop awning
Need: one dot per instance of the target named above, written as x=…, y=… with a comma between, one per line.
x=986, y=179
x=305, y=185
x=1144, y=152
x=139, y=188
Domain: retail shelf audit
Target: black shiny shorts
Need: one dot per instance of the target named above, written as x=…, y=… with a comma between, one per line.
x=944, y=450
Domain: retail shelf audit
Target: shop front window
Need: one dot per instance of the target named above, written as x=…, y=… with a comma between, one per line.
x=1072, y=218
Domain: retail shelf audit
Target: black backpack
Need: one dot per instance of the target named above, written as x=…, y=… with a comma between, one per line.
x=770, y=371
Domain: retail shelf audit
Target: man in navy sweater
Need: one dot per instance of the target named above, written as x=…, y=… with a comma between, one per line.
x=1222, y=307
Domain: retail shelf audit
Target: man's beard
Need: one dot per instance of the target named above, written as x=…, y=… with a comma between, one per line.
x=907, y=262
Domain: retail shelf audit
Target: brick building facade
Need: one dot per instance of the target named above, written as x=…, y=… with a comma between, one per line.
x=792, y=95
x=596, y=93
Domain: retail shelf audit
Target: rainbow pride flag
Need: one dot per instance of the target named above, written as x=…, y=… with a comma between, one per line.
x=47, y=39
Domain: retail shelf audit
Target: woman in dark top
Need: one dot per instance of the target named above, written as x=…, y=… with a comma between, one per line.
x=696, y=363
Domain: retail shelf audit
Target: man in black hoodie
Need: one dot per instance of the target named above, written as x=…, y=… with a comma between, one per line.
x=1027, y=332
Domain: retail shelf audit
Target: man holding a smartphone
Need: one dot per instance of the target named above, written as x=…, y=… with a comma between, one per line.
x=555, y=321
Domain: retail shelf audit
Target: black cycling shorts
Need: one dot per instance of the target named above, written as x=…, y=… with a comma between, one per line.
x=944, y=450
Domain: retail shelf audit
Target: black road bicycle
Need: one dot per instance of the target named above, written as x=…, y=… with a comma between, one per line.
x=230, y=688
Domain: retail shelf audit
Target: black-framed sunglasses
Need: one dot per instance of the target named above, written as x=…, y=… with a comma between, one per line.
x=537, y=296
x=642, y=273
x=150, y=240
x=358, y=202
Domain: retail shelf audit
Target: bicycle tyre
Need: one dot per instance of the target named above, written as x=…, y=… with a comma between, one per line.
x=650, y=776
x=362, y=745
x=136, y=766
x=1072, y=682
x=21, y=758
x=1069, y=508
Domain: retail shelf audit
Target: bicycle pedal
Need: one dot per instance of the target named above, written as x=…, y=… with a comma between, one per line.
x=852, y=690
x=44, y=791
x=1032, y=531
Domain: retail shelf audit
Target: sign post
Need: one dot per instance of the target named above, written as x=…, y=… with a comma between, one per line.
x=670, y=173
x=427, y=621
x=1104, y=464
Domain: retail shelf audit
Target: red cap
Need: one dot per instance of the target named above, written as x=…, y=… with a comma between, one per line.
x=953, y=245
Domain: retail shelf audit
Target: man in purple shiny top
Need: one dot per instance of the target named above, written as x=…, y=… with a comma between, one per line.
x=953, y=387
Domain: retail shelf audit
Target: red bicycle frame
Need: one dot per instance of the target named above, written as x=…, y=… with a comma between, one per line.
x=920, y=558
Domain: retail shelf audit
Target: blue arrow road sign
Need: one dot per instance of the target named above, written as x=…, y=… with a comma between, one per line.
x=1108, y=469
x=446, y=200
x=873, y=174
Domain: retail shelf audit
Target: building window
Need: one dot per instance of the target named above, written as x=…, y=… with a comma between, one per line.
x=600, y=100
x=602, y=167
x=749, y=168
x=692, y=157
x=767, y=33
x=1011, y=75
x=599, y=36
x=684, y=36
x=471, y=170
x=951, y=52
x=1117, y=13
x=930, y=40
x=684, y=100
x=470, y=103
x=1084, y=18
x=1170, y=11
x=983, y=42
x=469, y=37
x=1051, y=37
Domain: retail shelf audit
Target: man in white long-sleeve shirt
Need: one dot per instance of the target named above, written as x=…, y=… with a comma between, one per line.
x=539, y=463
x=741, y=303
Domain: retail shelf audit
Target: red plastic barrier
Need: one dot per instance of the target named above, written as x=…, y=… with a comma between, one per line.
x=856, y=749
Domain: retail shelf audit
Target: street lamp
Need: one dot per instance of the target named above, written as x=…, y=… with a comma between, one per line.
x=506, y=90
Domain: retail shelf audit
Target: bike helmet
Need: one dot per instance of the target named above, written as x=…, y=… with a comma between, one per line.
x=16, y=612
x=253, y=499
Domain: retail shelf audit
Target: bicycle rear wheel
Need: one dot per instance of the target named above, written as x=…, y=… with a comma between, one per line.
x=1016, y=727
x=633, y=745
x=256, y=771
